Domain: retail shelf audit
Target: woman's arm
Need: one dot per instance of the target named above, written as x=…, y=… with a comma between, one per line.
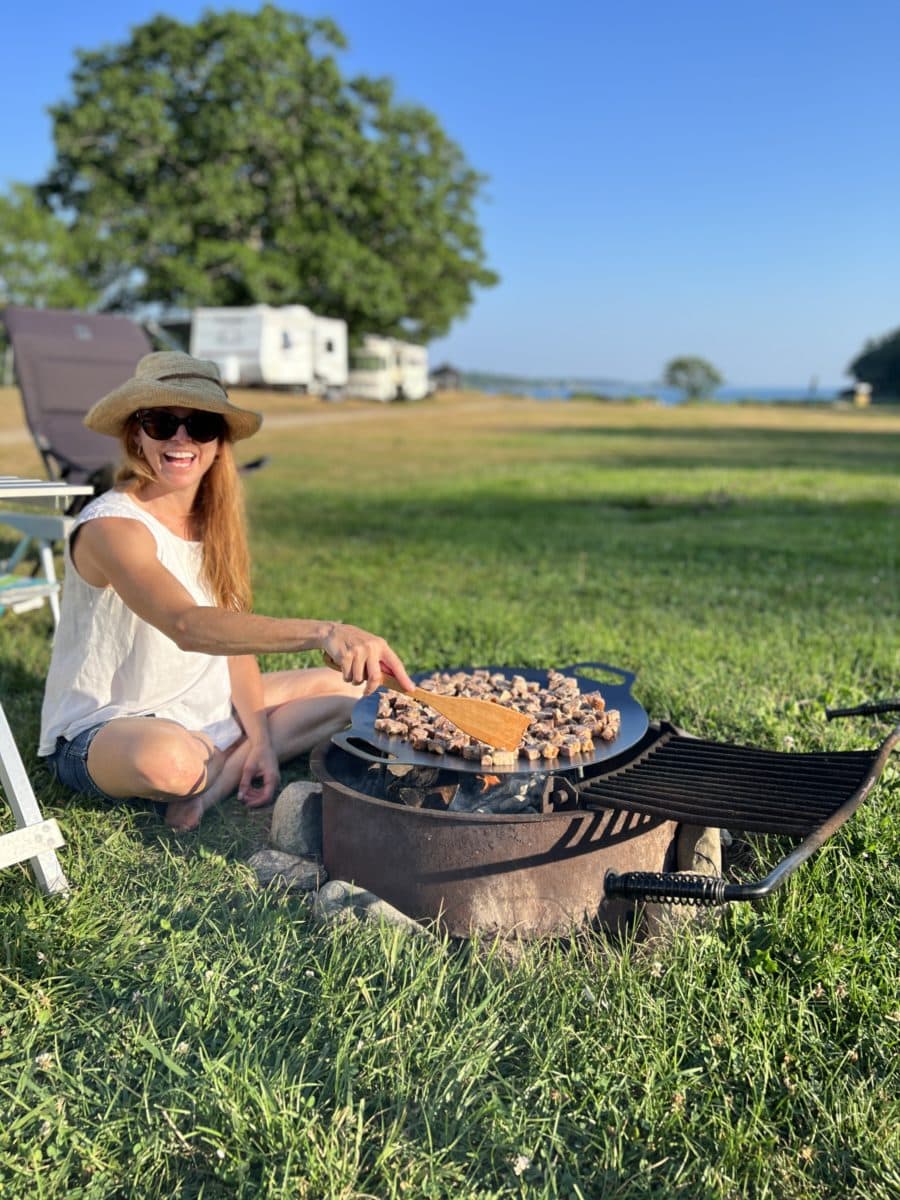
x=260, y=774
x=121, y=553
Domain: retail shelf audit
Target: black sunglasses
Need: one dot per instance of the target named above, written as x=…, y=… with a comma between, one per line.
x=160, y=424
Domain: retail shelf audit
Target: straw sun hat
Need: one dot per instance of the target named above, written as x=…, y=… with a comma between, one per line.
x=166, y=379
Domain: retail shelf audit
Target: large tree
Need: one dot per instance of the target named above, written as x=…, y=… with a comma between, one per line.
x=694, y=376
x=878, y=364
x=40, y=258
x=230, y=162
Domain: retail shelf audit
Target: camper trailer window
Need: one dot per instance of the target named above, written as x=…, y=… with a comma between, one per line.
x=368, y=362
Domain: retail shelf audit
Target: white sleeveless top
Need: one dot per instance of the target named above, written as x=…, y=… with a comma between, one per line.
x=108, y=663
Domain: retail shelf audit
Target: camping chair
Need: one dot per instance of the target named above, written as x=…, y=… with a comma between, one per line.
x=64, y=362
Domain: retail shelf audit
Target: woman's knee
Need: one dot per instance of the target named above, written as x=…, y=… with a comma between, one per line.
x=179, y=764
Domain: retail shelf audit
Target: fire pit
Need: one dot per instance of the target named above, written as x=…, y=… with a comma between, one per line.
x=406, y=826
x=538, y=850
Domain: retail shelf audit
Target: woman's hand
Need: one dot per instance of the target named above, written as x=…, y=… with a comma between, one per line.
x=362, y=657
x=260, y=776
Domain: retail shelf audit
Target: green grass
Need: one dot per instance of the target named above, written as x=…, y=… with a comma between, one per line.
x=171, y=1030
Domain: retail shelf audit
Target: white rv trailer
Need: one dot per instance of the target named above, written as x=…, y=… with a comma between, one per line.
x=330, y=354
x=386, y=369
x=276, y=347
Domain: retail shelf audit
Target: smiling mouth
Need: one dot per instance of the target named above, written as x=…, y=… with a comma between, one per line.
x=179, y=457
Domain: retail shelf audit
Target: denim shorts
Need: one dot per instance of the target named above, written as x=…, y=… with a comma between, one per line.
x=69, y=764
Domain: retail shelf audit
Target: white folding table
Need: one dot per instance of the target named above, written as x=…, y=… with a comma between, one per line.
x=34, y=839
x=42, y=528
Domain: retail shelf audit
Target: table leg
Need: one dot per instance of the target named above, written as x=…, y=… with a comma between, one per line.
x=49, y=568
x=21, y=798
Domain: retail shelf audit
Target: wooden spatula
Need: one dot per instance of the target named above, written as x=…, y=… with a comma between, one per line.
x=494, y=724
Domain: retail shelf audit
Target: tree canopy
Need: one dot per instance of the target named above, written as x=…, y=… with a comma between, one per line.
x=878, y=364
x=40, y=259
x=229, y=162
x=694, y=376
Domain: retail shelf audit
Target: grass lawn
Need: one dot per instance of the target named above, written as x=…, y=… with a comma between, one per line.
x=173, y=1030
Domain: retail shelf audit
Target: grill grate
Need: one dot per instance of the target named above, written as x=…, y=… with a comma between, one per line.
x=736, y=787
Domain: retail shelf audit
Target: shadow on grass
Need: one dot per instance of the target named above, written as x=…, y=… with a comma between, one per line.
x=722, y=448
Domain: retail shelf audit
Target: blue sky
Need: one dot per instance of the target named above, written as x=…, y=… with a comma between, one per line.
x=718, y=178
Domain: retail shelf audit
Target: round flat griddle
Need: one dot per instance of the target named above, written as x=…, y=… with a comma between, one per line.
x=363, y=740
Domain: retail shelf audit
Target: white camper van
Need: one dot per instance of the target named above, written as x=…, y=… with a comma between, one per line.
x=386, y=369
x=275, y=347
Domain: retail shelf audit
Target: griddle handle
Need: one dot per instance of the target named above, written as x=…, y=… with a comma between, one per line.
x=628, y=676
x=358, y=746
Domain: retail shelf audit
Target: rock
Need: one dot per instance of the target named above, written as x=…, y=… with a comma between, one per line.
x=287, y=871
x=698, y=852
x=297, y=819
x=339, y=901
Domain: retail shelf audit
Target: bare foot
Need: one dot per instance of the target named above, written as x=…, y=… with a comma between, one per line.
x=182, y=815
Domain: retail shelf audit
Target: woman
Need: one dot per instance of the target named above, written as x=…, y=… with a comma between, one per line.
x=153, y=689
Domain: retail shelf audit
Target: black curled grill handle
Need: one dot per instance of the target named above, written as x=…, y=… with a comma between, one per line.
x=864, y=710
x=698, y=890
